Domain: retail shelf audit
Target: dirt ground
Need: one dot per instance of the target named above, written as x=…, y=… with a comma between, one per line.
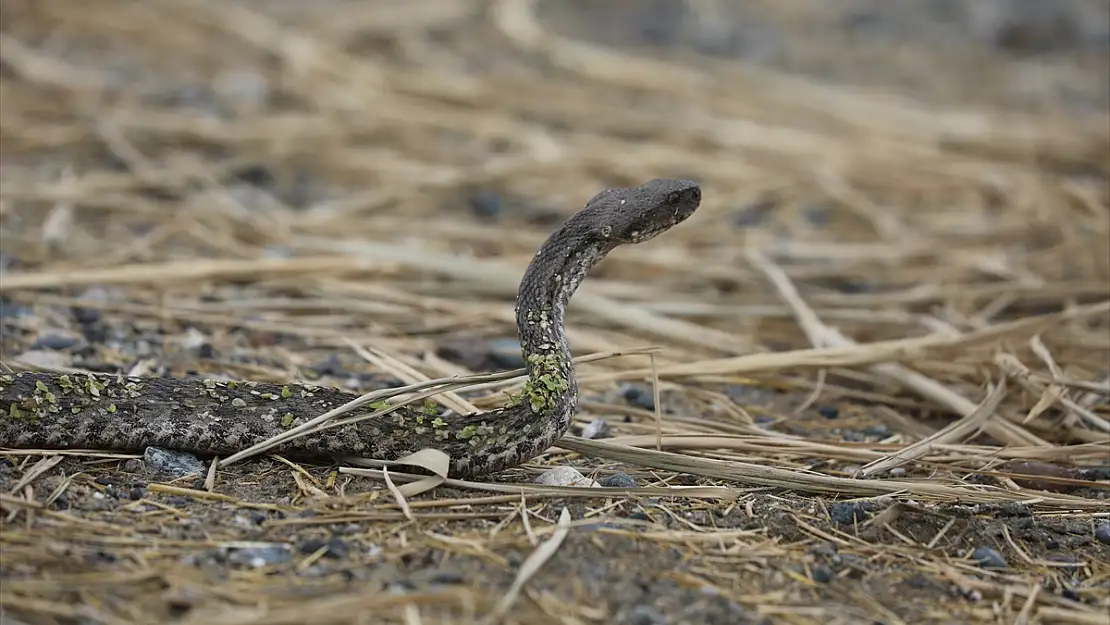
x=883, y=341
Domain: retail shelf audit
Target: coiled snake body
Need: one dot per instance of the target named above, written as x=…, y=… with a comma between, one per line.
x=55, y=411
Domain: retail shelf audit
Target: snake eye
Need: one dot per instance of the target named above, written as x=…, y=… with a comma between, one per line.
x=674, y=198
x=606, y=231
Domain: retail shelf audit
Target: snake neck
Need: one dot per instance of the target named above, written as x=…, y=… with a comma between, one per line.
x=550, y=280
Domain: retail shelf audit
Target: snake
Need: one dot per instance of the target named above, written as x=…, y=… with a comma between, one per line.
x=51, y=411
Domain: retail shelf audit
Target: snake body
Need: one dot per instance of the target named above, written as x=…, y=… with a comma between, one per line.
x=40, y=410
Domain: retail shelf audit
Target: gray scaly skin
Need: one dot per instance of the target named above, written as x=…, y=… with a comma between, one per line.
x=53, y=411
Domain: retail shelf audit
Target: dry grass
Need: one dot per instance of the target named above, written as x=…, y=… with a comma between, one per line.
x=955, y=288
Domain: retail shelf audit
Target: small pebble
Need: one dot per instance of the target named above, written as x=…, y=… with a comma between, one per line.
x=335, y=547
x=1037, y=32
x=1102, y=533
x=598, y=428
x=822, y=575
x=564, y=476
x=207, y=352
x=257, y=175
x=619, y=480
x=310, y=545
x=243, y=521
x=898, y=472
x=849, y=286
x=172, y=462
x=989, y=558
x=645, y=615
x=485, y=204
x=447, y=577
x=258, y=557
x=8, y=261
x=828, y=412
x=881, y=430
x=1007, y=510
x=103, y=556
x=660, y=22
x=817, y=214
x=743, y=394
x=9, y=309
x=329, y=366
x=132, y=465
x=638, y=397
x=849, y=513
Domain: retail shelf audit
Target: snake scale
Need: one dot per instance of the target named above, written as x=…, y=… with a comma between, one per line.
x=40, y=410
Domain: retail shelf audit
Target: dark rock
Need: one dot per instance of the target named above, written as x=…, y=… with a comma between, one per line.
x=618, y=480
x=660, y=21
x=330, y=366
x=989, y=558
x=1038, y=31
x=172, y=462
x=1102, y=533
x=819, y=215
x=55, y=342
x=644, y=615
x=597, y=429
x=447, y=577
x=256, y=175
x=258, y=557
x=881, y=430
x=335, y=548
x=849, y=513
x=10, y=309
x=486, y=204
x=638, y=397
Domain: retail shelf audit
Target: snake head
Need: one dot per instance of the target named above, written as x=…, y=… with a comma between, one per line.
x=636, y=214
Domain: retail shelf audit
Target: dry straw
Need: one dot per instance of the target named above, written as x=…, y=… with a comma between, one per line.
x=954, y=287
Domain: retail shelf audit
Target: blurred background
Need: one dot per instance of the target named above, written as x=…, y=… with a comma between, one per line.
x=869, y=146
